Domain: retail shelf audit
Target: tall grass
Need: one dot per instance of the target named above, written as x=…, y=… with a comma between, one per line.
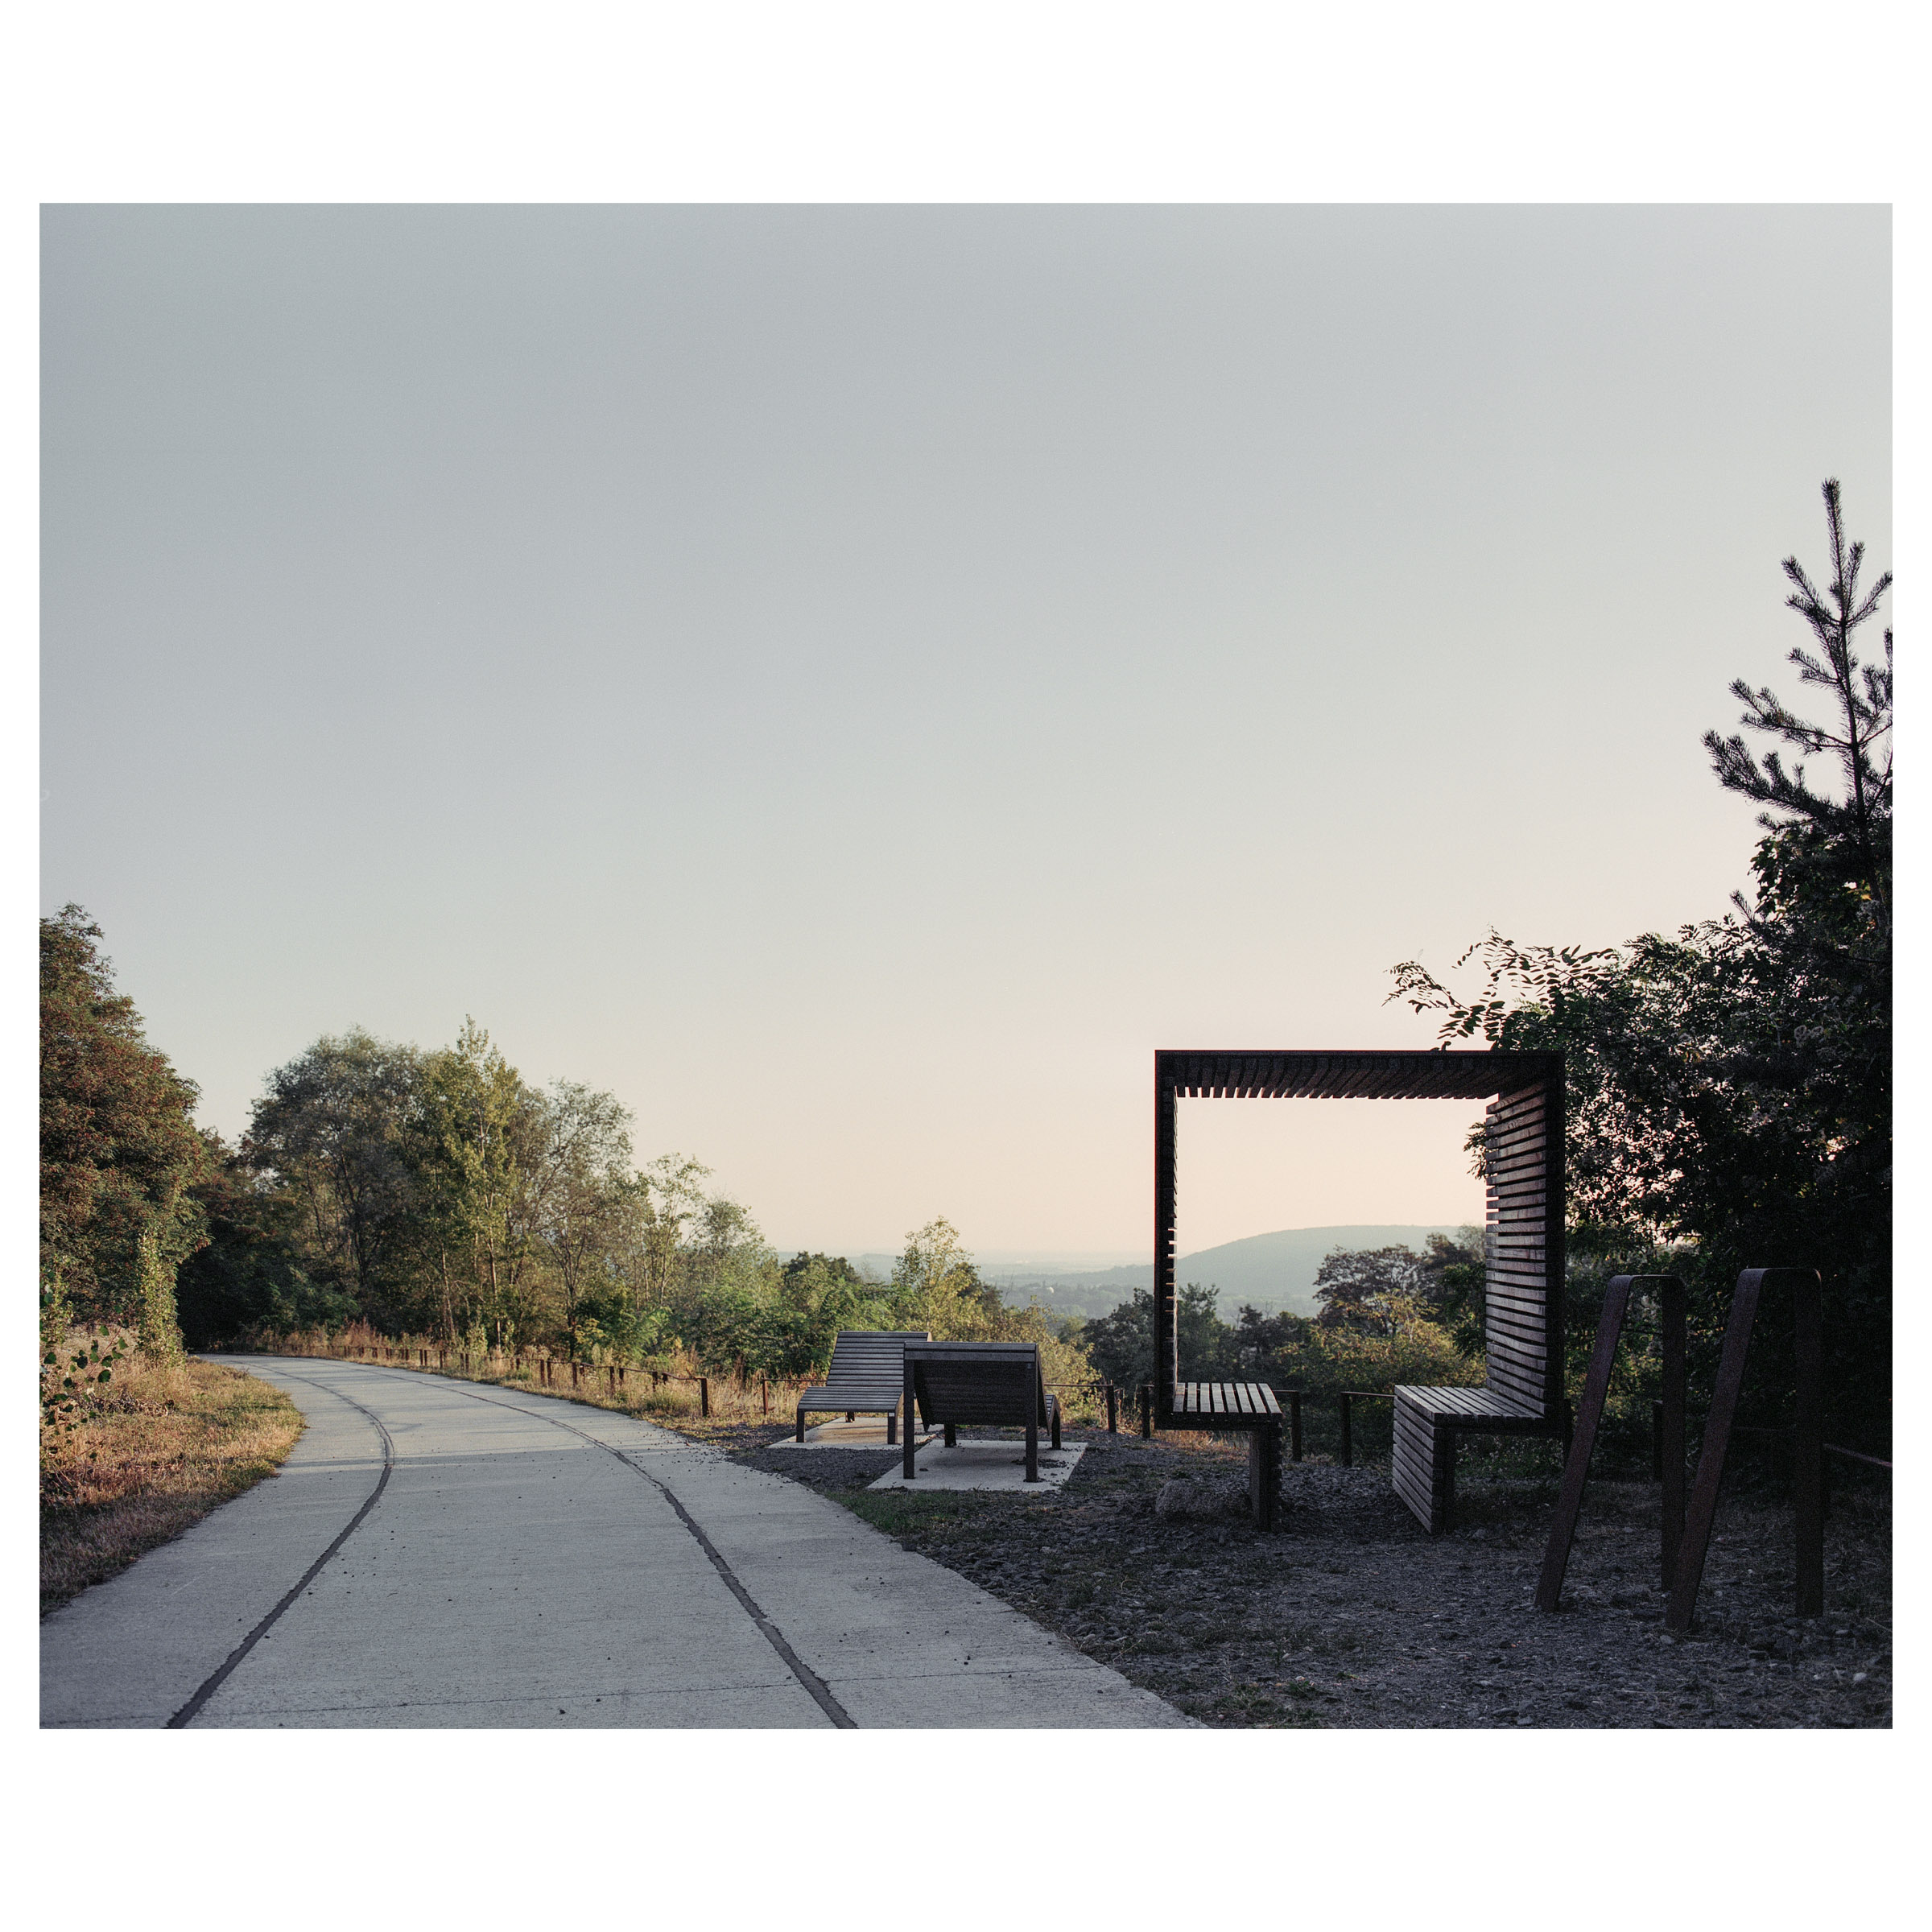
x=153, y=1451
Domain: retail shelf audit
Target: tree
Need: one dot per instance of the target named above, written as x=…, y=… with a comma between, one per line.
x=119, y=1152
x=1730, y=1089
x=1854, y=832
x=248, y=1277
x=673, y=1197
x=1120, y=1343
x=1453, y=1275
x=474, y=1122
x=333, y=1135
x=1369, y=1290
x=589, y=1205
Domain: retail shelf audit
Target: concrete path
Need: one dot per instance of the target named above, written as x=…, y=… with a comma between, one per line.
x=445, y=1553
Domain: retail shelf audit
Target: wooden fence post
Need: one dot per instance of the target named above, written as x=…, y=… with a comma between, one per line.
x=704, y=1395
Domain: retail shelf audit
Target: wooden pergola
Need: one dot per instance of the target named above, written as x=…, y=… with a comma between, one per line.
x=1523, y=1289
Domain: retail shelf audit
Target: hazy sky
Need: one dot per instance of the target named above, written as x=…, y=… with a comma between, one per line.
x=854, y=681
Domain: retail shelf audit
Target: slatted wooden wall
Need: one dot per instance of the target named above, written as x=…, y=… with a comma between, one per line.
x=1525, y=1147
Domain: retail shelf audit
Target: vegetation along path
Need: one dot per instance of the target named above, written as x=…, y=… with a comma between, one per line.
x=441, y=1553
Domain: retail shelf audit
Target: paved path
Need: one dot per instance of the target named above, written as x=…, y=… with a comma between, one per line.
x=439, y=1553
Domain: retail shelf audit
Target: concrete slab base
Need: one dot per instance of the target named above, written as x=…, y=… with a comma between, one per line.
x=983, y=1466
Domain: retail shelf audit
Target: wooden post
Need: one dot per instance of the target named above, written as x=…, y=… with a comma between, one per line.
x=704, y=1395
x=1576, y=1468
x=1807, y=1443
x=1671, y=1422
x=1165, y=1310
x=907, y=1470
x=1113, y=1413
x=1702, y=1510
x=764, y=1397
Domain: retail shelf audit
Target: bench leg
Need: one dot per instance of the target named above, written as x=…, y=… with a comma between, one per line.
x=910, y=1439
x=1033, y=1446
x=952, y=1439
x=1423, y=1466
x=892, y=1425
x=1055, y=1412
x=800, y=1436
x=1264, y=1474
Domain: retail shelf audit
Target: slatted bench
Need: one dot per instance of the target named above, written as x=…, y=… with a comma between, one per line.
x=1522, y=1309
x=1250, y=1408
x=864, y=1378
x=1427, y=1421
x=1523, y=1137
x=1000, y=1383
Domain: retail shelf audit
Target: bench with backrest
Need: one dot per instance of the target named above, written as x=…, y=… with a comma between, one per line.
x=1523, y=1297
x=997, y=1383
x=1522, y=1309
x=865, y=1378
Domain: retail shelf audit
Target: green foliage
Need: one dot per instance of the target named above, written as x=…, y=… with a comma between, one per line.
x=1120, y=1343
x=74, y=1371
x=1365, y=1290
x=1730, y=1089
x=1403, y=1342
x=438, y=1194
x=119, y=1153
x=250, y=1276
x=332, y=1140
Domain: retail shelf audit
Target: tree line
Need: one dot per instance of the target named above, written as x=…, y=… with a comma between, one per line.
x=429, y=1192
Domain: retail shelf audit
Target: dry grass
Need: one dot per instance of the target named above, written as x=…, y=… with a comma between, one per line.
x=674, y=1400
x=163, y=1445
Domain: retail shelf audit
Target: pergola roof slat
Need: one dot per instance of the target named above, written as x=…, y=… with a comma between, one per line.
x=1445, y=1074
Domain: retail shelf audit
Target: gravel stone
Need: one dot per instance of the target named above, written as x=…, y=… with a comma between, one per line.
x=1349, y=1615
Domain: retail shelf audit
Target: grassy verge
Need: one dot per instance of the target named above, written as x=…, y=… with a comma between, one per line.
x=162, y=1445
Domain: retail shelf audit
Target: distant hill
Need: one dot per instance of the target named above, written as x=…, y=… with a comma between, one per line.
x=1274, y=1272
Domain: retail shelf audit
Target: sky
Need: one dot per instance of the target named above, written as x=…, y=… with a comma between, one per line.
x=855, y=681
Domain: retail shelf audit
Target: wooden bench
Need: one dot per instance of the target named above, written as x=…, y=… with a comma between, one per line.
x=865, y=1377
x=1250, y=1408
x=1522, y=1310
x=1000, y=1383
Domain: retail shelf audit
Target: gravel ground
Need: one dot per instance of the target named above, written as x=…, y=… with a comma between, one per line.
x=1349, y=1615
